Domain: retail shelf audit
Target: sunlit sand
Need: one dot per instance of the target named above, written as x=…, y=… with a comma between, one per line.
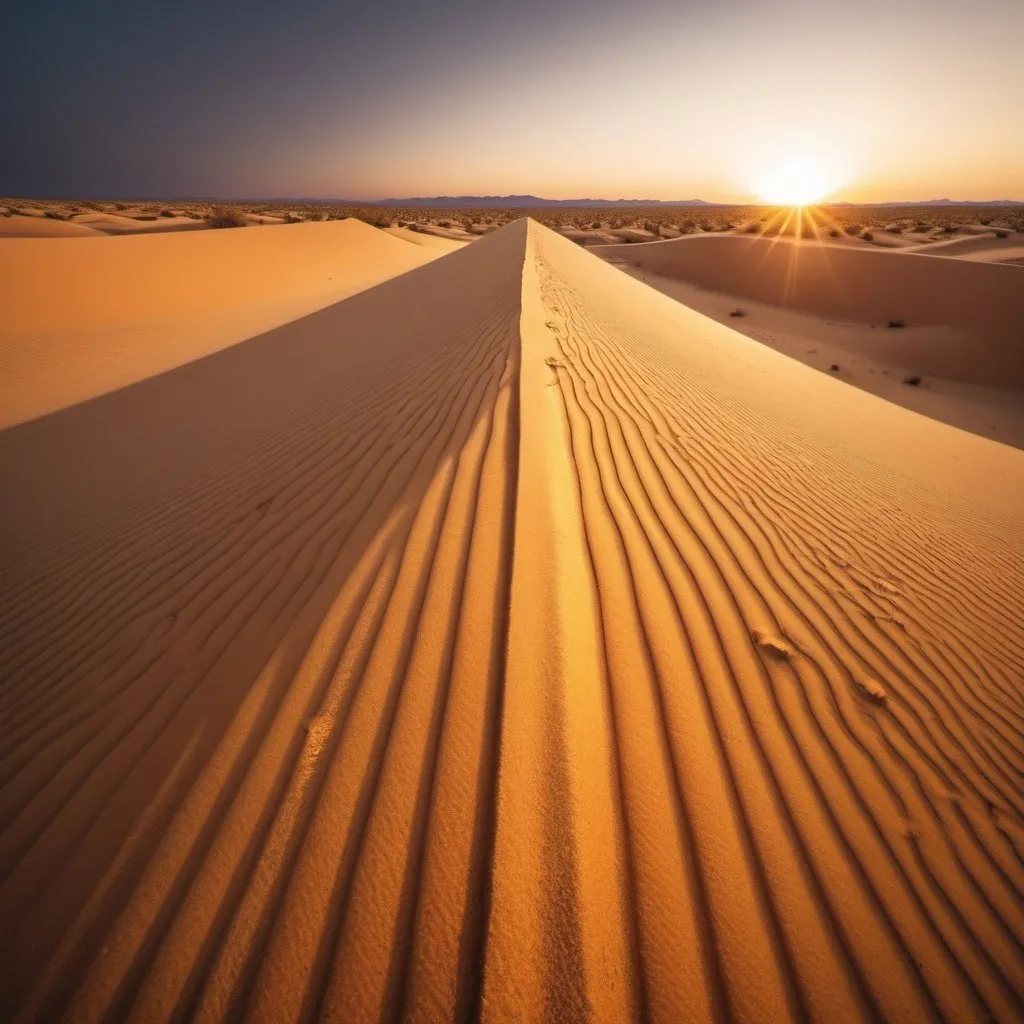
x=396, y=627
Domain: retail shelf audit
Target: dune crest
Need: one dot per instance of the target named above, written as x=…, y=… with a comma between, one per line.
x=508, y=641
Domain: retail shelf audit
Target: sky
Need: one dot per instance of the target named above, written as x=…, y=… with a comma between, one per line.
x=661, y=99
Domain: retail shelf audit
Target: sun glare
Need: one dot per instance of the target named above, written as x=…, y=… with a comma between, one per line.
x=797, y=181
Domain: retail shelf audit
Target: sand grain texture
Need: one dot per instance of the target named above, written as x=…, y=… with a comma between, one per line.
x=508, y=642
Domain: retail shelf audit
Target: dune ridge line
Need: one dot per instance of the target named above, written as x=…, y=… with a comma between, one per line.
x=507, y=641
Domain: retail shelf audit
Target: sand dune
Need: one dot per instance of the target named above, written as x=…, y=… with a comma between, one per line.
x=862, y=355
x=113, y=224
x=509, y=641
x=963, y=318
x=423, y=238
x=84, y=316
x=966, y=246
x=18, y=226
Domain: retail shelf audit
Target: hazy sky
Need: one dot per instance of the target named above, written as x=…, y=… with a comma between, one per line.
x=893, y=99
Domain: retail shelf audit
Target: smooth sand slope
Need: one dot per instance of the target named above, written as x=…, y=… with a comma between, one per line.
x=964, y=320
x=423, y=238
x=509, y=641
x=82, y=316
x=18, y=226
x=864, y=355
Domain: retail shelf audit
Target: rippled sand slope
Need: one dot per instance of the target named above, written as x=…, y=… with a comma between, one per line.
x=509, y=641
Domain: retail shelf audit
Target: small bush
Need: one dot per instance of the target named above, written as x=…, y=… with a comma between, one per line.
x=896, y=324
x=853, y=229
x=1002, y=234
x=225, y=217
x=834, y=367
x=835, y=233
x=738, y=312
x=167, y=213
x=913, y=380
x=868, y=237
x=596, y=224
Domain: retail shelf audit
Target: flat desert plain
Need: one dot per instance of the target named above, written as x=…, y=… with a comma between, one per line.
x=395, y=633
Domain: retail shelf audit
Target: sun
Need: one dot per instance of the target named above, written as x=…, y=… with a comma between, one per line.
x=797, y=181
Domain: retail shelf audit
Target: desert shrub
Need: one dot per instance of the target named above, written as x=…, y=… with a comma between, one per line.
x=444, y=224
x=649, y=225
x=853, y=229
x=836, y=233
x=225, y=217
x=167, y=213
x=895, y=324
x=1002, y=234
x=596, y=224
x=834, y=368
x=868, y=237
x=120, y=206
x=738, y=312
x=54, y=215
x=913, y=380
x=984, y=220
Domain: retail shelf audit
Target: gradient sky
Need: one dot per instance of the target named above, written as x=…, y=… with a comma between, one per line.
x=897, y=99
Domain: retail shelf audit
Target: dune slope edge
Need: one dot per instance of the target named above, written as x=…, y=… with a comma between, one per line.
x=963, y=319
x=82, y=317
x=509, y=641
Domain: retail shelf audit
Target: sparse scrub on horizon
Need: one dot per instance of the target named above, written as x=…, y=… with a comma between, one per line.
x=661, y=221
x=226, y=217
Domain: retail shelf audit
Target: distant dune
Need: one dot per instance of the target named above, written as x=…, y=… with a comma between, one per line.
x=423, y=238
x=972, y=311
x=83, y=316
x=18, y=226
x=504, y=642
x=113, y=224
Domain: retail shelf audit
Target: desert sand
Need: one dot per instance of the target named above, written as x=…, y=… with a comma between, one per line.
x=17, y=226
x=868, y=356
x=509, y=641
x=84, y=316
x=424, y=238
